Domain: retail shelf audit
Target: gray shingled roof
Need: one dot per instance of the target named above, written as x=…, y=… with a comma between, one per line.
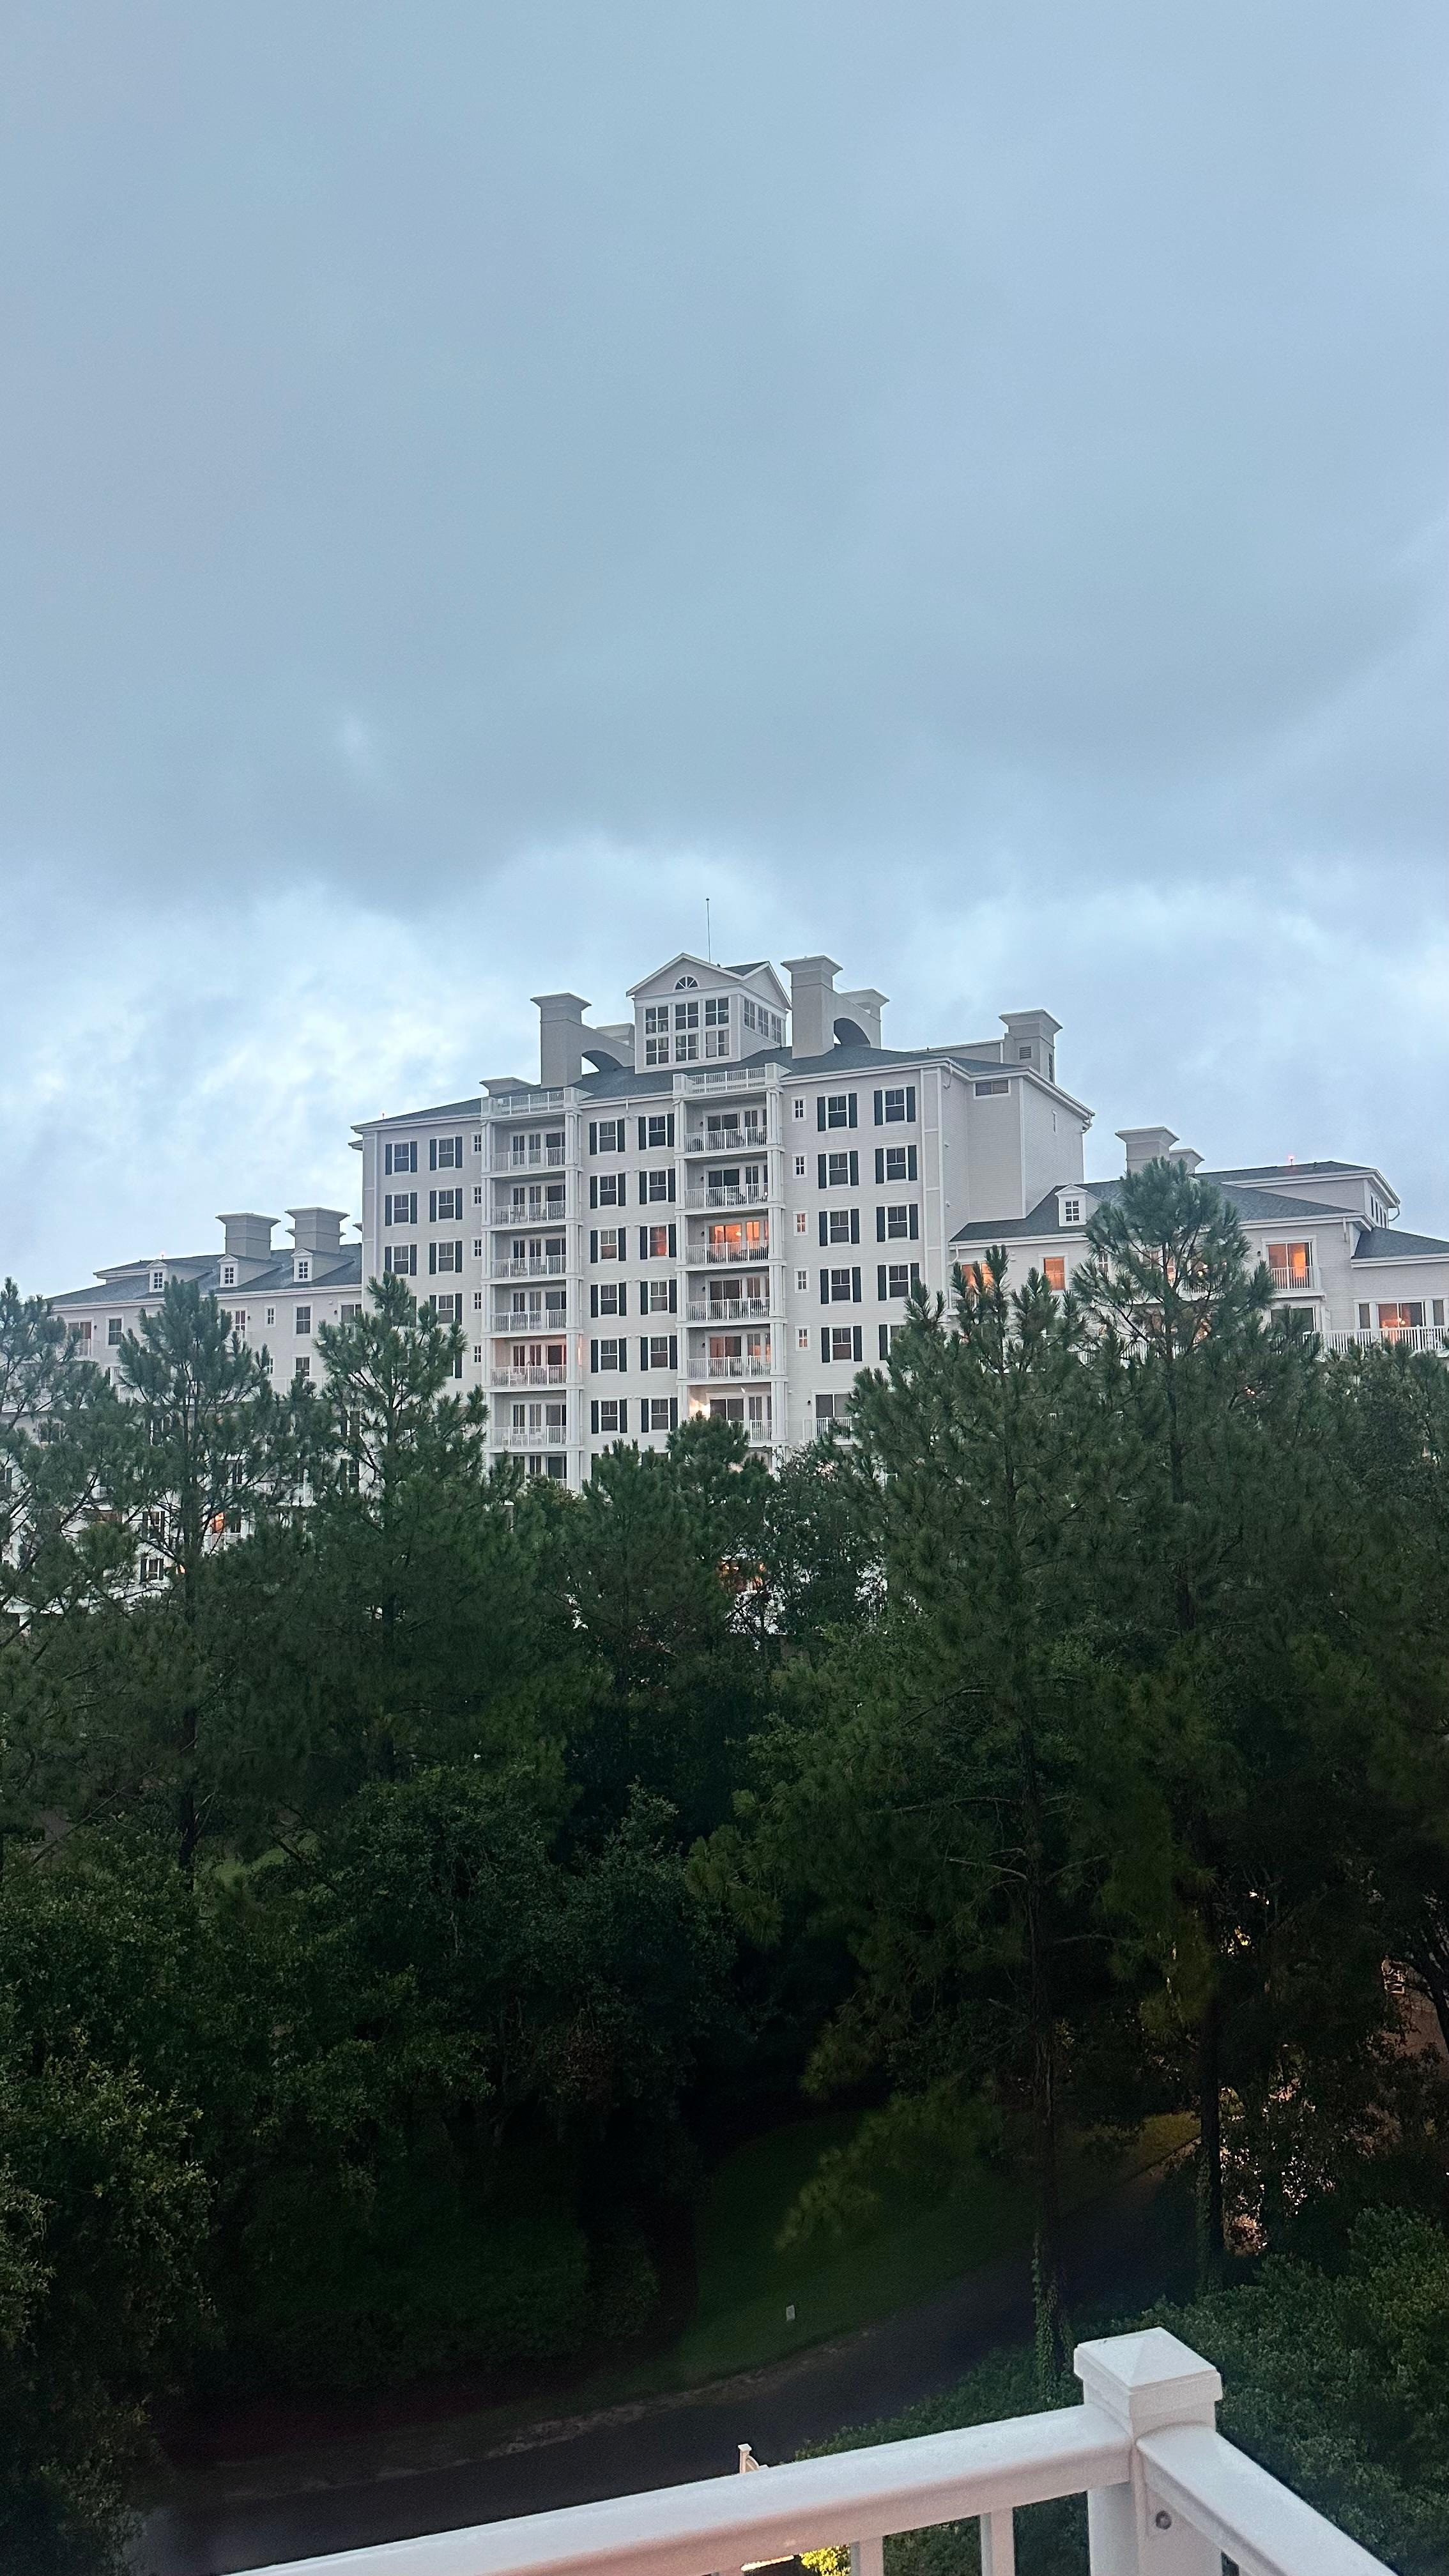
x=1255, y=1207
x=343, y=1270
x=1387, y=1243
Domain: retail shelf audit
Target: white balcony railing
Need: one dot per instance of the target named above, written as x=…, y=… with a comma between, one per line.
x=549, y=1435
x=1403, y=1337
x=1165, y=2496
x=726, y=1194
x=550, y=1158
x=733, y=1368
x=542, y=1375
x=524, y=1104
x=724, y=1077
x=543, y=1265
x=740, y=1140
x=740, y=1253
x=729, y=1310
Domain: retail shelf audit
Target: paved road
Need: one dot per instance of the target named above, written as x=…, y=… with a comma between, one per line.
x=436, y=2477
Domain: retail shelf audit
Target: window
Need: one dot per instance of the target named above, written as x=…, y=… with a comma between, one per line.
x=607, y=1135
x=802, y=1338
x=659, y=1351
x=827, y=1406
x=896, y=1279
x=608, y=1299
x=1291, y=1264
x=608, y=1244
x=799, y=1167
x=445, y=1256
x=400, y=1258
x=158, y=1278
x=838, y=1171
x=1438, y=1310
x=445, y=1207
x=608, y=1355
x=150, y=1568
x=348, y=1314
x=477, y=1301
x=802, y=1223
x=657, y=1242
x=302, y=1369
x=717, y=1011
x=840, y=1342
x=802, y=1280
x=686, y=1015
x=228, y=1274
x=478, y=1144
x=400, y=1158
x=271, y=1314
x=663, y=1413
x=893, y=1107
x=80, y=1334
x=839, y=1287
x=895, y=1163
x=840, y=1225
x=686, y=1047
x=239, y=1321
x=445, y=1153
x=113, y=1331
x=606, y=1189
x=798, y=1105
x=477, y=1194
x=1054, y=1272
x=656, y=1032
x=990, y=1090
x=835, y=1109
x=687, y=984
x=656, y=1135
x=446, y=1307
x=658, y=1296
x=477, y=1247
x=400, y=1207
x=609, y=1415
x=1071, y=1211
x=655, y=1186
x=889, y=1336
x=1401, y=1317
x=302, y=1320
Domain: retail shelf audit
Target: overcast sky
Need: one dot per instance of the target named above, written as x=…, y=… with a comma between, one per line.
x=959, y=486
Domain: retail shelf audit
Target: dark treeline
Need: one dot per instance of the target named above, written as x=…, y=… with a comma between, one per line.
x=411, y=1873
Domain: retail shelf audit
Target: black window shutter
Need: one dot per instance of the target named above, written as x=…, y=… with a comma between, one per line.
x=824, y=1237
x=594, y=1415
x=910, y=1100
x=643, y=1296
x=820, y=1169
x=643, y=1134
x=855, y=1343
x=593, y=1243
x=880, y=1286
x=457, y=1153
x=643, y=1189
x=643, y=1243
x=824, y=1287
x=671, y=1174
x=915, y=1222
x=432, y=1207
x=825, y=1341
x=387, y=1159
x=643, y=1352
x=432, y=1256
x=593, y=1189
x=910, y=1162
x=851, y=1111
x=674, y=1296
x=674, y=1413
x=593, y=1355
x=855, y=1225
x=432, y=1153
x=879, y=1158
x=674, y=1351
x=671, y=1243
x=593, y=1149
x=820, y=1111
x=855, y=1297
x=594, y=1308
x=880, y=1233
x=623, y=1413
x=854, y=1169
x=885, y=1341
x=669, y=1128
x=915, y=1274
x=879, y=1110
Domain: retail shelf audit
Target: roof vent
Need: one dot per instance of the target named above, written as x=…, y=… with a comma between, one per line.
x=248, y=1237
x=1146, y=1145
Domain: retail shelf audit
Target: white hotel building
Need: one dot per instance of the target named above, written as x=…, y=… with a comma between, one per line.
x=720, y=1204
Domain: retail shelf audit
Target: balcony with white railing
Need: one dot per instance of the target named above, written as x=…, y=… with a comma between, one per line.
x=739, y=1256
x=513, y=1435
x=1400, y=1337
x=539, y=1265
x=506, y=1164
x=744, y=1139
x=744, y=1366
x=724, y=1077
x=726, y=1194
x=729, y=1310
x=544, y=1375
x=1164, y=2495
x=524, y=1104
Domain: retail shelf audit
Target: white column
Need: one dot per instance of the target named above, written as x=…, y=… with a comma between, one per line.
x=1146, y=2381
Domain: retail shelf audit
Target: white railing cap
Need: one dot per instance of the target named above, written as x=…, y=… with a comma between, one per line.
x=1148, y=2379
x=1241, y=2509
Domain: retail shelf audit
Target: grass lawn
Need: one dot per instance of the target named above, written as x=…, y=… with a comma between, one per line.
x=746, y=2285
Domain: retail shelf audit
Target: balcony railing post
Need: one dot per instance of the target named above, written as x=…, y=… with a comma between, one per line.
x=1146, y=2381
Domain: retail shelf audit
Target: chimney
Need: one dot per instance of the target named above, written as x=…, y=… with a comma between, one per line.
x=857, y=1016
x=248, y=1237
x=560, y=1038
x=1030, y=1037
x=317, y=1229
x=812, y=1004
x=1146, y=1145
x=1188, y=1159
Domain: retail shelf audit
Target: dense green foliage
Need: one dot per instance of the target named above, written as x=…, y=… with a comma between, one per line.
x=413, y=1875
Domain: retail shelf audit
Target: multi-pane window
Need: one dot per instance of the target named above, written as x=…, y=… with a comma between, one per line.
x=990, y=1090
x=896, y=1278
x=400, y=1158
x=303, y=1368
x=445, y=1153
x=840, y=1342
x=158, y=1279
x=607, y=1135
x=661, y=1296
x=655, y=1134
x=895, y=1163
x=302, y=1270
x=302, y=1321
x=659, y=1351
x=608, y=1299
x=837, y=1109
x=654, y=1186
x=889, y=1334
x=1405, y=1315
x=445, y=1256
x=898, y=1224
x=610, y=1415
x=113, y=1331
x=839, y=1287
x=838, y=1171
x=895, y=1106
x=348, y=1314
x=445, y=1207
x=686, y=1015
x=663, y=1413
x=228, y=1274
x=606, y=1189
x=612, y=1354
x=1291, y=1264
x=1054, y=1272
x=400, y=1207
x=840, y=1225
x=657, y=1242
x=608, y=1244
x=1071, y=1211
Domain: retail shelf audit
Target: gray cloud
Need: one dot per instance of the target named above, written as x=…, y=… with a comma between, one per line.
x=965, y=485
